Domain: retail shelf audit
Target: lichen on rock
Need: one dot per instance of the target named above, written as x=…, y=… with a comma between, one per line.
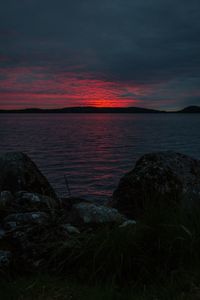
x=159, y=177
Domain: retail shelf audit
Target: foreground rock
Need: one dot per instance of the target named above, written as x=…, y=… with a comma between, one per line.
x=35, y=201
x=2, y=233
x=18, y=172
x=162, y=176
x=5, y=258
x=88, y=213
x=29, y=218
x=23, y=201
x=6, y=199
x=70, y=229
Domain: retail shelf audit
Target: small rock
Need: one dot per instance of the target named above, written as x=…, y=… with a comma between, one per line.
x=20, y=219
x=6, y=198
x=91, y=213
x=11, y=225
x=70, y=229
x=2, y=233
x=34, y=200
x=127, y=223
x=5, y=257
x=31, y=198
x=37, y=263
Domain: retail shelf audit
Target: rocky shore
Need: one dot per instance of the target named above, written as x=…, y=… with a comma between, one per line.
x=30, y=210
x=33, y=217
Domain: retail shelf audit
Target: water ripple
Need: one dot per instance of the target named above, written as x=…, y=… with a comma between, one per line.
x=94, y=151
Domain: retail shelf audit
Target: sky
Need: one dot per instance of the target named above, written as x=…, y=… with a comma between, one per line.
x=105, y=53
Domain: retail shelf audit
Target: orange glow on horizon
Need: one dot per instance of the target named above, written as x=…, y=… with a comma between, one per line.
x=106, y=103
x=34, y=87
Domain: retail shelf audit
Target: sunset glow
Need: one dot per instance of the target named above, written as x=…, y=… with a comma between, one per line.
x=103, y=54
x=36, y=87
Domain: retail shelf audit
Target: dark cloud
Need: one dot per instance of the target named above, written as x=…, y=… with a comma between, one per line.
x=148, y=43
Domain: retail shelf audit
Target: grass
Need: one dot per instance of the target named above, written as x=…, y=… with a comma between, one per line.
x=45, y=287
x=156, y=259
x=163, y=244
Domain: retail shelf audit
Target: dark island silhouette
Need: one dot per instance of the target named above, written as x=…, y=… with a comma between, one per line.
x=190, y=109
x=92, y=109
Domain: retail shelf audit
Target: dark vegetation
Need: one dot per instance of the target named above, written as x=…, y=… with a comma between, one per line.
x=158, y=258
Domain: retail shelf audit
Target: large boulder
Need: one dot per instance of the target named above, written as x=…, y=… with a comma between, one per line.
x=159, y=177
x=18, y=172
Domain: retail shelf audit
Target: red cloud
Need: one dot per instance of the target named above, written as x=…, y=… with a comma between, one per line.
x=36, y=87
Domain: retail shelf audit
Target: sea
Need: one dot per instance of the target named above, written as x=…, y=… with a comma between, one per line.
x=93, y=151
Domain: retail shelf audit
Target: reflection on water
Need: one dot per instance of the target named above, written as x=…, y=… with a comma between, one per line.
x=94, y=150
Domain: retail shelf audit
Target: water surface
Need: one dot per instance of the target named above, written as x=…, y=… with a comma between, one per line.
x=95, y=150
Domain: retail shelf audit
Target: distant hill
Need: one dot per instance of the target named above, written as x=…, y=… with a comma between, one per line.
x=91, y=109
x=86, y=109
x=191, y=109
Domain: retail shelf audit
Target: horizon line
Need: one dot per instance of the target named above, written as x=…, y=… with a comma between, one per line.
x=99, y=108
